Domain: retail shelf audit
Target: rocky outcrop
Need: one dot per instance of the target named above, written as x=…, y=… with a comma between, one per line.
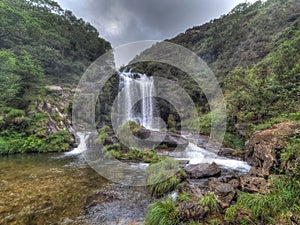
x=55, y=105
x=204, y=170
x=263, y=148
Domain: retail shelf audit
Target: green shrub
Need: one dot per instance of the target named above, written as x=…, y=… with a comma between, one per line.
x=192, y=222
x=184, y=197
x=135, y=154
x=209, y=201
x=233, y=141
x=230, y=213
x=115, y=154
x=205, y=124
x=215, y=222
x=115, y=146
x=151, y=157
x=162, y=177
x=162, y=213
x=282, y=200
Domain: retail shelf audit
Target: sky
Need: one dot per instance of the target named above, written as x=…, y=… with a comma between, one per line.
x=124, y=21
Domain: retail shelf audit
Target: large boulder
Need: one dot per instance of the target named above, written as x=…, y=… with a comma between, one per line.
x=203, y=170
x=263, y=147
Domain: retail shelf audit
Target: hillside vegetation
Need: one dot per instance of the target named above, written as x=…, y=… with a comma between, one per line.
x=254, y=51
x=40, y=44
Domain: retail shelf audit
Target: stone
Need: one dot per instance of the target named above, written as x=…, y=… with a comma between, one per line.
x=195, y=191
x=204, y=170
x=254, y=184
x=224, y=192
x=191, y=211
x=263, y=147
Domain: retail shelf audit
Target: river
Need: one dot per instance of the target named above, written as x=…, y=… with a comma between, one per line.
x=61, y=189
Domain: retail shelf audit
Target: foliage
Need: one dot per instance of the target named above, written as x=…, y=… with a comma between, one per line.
x=12, y=142
x=209, y=201
x=282, y=200
x=162, y=177
x=194, y=223
x=36, y=50
x=233, y=141
x=162, y=213
x=184, y=197
x=215, y=222
x=116, y=154
x=292, y=150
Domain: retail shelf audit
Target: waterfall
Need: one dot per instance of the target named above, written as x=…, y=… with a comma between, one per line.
x=133, y=86
x=82, y=137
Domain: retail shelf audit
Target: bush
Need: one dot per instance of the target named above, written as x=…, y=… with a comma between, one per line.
x=162, y=177
x=209, y=201
x=162, y=213
x=184, y=197
x=135, y=154
x=290, y=157
x=282, y=200
x=233, y=141
x=115, y=154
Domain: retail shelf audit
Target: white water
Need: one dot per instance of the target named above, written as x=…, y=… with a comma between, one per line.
x=82, y=138
x=197, y=155
x=133, y=86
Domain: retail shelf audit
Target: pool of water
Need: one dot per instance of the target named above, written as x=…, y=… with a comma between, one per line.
x=45, y=188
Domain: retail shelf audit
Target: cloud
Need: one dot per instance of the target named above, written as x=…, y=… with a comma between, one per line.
x=123, y=21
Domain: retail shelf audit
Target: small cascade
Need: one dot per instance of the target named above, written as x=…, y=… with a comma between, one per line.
x=196, y=155
x=82, y=139
x=136, y=86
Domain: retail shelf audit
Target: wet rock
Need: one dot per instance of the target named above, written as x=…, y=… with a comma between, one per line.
x=99, y=198
x=264, y=147
x=143, y=133
x=254, y=184
x=204, y=170
x=195, y=190
x=110, y=140
x=224, y=193
x=190, y=211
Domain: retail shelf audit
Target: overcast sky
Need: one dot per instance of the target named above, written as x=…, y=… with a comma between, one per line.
x=124, y=21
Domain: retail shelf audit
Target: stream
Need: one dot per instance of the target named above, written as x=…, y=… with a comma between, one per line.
x=60, y=188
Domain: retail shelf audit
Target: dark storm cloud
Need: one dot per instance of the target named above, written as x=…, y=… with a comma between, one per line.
x=122, y=21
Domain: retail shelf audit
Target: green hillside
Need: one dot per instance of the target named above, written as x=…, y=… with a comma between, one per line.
x=40, y=44
x=254, y=51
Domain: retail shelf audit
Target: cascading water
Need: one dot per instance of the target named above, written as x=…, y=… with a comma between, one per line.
x=133, y=85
